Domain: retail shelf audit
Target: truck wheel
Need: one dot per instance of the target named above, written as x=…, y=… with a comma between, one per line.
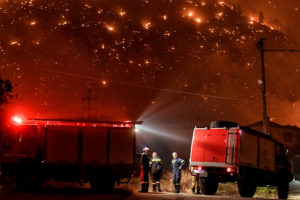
x=29, y=176
x=208, y=186
x=103, y=181
x=283, y=190
x=247, y=188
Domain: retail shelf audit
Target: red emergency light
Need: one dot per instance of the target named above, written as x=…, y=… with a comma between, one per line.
x=16, y=120
x=229, y=169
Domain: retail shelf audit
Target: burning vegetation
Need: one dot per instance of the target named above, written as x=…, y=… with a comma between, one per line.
x=200, y=52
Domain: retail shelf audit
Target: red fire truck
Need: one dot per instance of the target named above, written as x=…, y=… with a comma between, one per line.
x=226, y=152
x=98, y=152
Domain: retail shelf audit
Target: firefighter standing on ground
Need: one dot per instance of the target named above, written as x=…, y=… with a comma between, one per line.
x=144, y=169
x=195, y=181
x=177, y=164
x=155, y=171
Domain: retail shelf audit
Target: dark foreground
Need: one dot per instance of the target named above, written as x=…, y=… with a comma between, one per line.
x=10, y=193
x=85, y=194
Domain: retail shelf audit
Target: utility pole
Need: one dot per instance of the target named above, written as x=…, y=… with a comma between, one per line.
x=89, y=99
x=260, y=46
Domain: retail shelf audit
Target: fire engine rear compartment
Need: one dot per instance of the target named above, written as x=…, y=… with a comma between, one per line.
x=212, y=148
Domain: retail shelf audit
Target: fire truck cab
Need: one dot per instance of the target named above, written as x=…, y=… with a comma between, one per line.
x=98, y=152
x=226, y=152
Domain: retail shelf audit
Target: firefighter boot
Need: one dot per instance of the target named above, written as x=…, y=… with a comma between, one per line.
x=158, y=187
x=153, y=187
x=142, y=188
x=193, y=190
x=177, y=189
x=146, y=187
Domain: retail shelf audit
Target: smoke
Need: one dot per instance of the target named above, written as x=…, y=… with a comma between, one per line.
x=281, y=14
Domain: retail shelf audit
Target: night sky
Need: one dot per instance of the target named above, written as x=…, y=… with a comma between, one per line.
x=172, y=63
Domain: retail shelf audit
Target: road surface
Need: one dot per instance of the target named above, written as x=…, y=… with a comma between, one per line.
x=85, y=194
x=294, y=190
x=10, y=193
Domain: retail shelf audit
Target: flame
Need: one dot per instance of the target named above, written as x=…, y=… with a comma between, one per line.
x=198, y=20
x=110, y=28
x=36, y=42
x=252, y=20
x=222, y=3
x=99, y=11
x=33, y=22
x=122, y=13
x=14, y=43
x=147, y=25
x=62, y=23
x=104, y=82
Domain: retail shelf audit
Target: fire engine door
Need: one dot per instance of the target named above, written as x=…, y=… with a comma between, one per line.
x=231, y=139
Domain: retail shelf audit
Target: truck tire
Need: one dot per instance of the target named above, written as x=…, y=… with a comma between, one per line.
x=29, y=176
x=247, y=187
x=283, y=189
x=102, y=181
x=208, y=186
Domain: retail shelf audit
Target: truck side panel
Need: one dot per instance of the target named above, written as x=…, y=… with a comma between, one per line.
x=121, y=146
x=62, y=145
x=248, y=149
x=267, y=154
x=94, y=148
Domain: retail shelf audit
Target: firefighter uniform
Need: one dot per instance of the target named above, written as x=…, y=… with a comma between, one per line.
x=144, y=164
x=176, y=166
x=155, y=170
x=195, y=181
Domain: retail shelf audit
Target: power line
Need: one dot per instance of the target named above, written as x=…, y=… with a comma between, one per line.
x=149, y=87
x=281, y=50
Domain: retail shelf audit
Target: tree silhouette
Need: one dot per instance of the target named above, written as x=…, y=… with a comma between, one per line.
x=5, y=91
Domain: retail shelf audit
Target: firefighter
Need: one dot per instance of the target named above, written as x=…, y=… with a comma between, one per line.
x=177, y=164
x=195, y=181
x=144, y=169
x=155, y=171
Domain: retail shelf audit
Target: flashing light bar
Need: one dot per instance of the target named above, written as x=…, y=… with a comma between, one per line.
x=125, y=124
